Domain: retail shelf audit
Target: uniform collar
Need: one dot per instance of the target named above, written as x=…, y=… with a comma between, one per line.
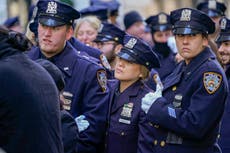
x=65, y=60
x=205, y=55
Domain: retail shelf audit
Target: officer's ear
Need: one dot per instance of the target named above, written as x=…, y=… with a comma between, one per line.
x=69, y=32
x=118, y=48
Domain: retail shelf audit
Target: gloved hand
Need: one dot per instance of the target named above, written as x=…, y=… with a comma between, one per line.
x=150, y=98
x=82, y=124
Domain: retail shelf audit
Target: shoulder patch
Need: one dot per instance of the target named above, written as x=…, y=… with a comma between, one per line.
x=102, y=79
x=212, y=81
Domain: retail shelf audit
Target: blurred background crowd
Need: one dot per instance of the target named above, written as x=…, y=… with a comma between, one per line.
x=22, y=8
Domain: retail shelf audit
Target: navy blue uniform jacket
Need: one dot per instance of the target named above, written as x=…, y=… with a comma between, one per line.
x=29, y=106
x=191, y=124
x=225, y=123
x=85, y=93
x=125, y=117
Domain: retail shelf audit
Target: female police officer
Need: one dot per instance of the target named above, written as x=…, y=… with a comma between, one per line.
x=186, y=118
x=135, y=60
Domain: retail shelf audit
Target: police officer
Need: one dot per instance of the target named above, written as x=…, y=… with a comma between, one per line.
x=110, y=40
x=186, y=116
x=223, y=41
x=88, y=50
x=161, y=30
x=100, y=11
x=29, y=112
x=85, y=92
x=134, y=24
x=135, y=60
x=215, y=10
x=113, y=9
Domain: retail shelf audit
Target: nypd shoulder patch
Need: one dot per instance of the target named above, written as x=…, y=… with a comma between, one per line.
x=102, y=79
x=212, y=81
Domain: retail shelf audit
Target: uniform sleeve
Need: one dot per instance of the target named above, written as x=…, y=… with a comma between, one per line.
x=204, y=111
x=95, y=108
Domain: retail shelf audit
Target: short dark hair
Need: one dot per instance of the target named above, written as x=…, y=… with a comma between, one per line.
x=17, y=40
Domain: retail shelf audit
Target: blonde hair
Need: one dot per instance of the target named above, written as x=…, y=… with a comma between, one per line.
x=144, y=72
x=92, y=20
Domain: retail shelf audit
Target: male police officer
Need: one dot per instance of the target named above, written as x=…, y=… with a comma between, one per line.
x=161, y=30
x=223, y=41
x=215, y=10
x=187, y=117
x=85, y=93
x=110, y=40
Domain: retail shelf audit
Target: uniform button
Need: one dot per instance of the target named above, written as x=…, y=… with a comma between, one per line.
x=156, y=126
x=162, y=143
x=218, y=136
x=122, y=133
x=174, y=88
x=155, y=142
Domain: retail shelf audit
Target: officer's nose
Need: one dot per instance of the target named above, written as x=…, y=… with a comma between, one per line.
x=185, y=39
x=48, y=31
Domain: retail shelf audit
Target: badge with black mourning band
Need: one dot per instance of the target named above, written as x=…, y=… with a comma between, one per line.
x=67, y=100
x=51, y=8
x=102, y=79
x=126, y=113
x=212, y=81
x=185, y=15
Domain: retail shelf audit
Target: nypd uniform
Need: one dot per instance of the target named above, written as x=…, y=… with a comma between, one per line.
x=85, y=91
x=161, y=22
x=125, y=111
x=186, y=119
x=224, y=140
x=214, y=10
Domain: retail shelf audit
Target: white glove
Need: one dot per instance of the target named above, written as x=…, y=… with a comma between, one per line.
x=150, y=98
x=82, y=124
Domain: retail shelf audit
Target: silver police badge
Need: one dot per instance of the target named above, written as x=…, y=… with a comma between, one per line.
x=126, y=113
x=212, y=81
x=185, y=15
x=52, y=8
x=131, y=43
x=127, y=110
x=66, y=97
x=162, y=19
x=212, y=4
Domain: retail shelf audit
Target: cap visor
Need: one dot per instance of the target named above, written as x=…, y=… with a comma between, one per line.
x=222, y=38
x=185, y=31
x=126, y=57
x=51, y=22
x=212, y=13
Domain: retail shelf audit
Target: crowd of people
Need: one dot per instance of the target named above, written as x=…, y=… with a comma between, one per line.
x=76, y=82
